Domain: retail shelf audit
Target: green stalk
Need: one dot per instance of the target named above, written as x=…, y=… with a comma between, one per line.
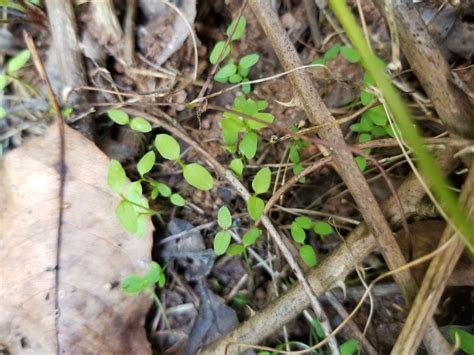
x=428, y=167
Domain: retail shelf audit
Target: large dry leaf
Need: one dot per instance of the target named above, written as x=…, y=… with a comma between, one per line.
x=92, y=314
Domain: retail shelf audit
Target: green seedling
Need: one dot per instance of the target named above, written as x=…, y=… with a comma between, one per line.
x=260, y=185
x=296, y=146
x=137, y=124
x=223, y=237
x=298, y=232
x=194, y=174
x=233, y=72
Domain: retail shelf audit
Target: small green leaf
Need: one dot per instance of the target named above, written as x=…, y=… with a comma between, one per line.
x=304, y=222
x=3, y=113
x=308, y=255
x=378, y=131
x=322, y=228
x=261, y=181
x=251, y=236
x=237, y=166
x=154, y=274
x=216, y=51
x=164, y=189
x=162, y=280
x=297, y=233
x=4, y=81
x=116, y=176
x=332, y=52
x=263, y=116
x=226, y=71
x=366, y=97
x=361, y=163
x=145, y=164
x=364, y=137
x=349, y=347
x=127, y=216
x=235, y=249
x=262, y=105
x=167, y=146
x=197, y=176
x=356, y=127
x=118, y=116
x=18, y=61
x=224, y=218
x=365, y=124
x=255, y=207
x=221, y=242
x=248, y=145
x=377, y=115
x=135, y=189
x=177, y=200
x=249, y=60
x=234, y=79
x=319, y=61
x=246, y=88
x=154, y=193
x=139, y=124
x=350, y=54
x=134, y=284
x=466, y=339
x=239, y=28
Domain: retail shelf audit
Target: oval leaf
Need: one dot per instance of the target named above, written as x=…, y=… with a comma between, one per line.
x=239, y=28
x=134, y=284
x=224, y=218
x=235, y=249
x=297, y=233
x=216, y=52
x=145, y=164
x=198, y=177
x=323, y=228
x=261, y=181
x=164, y=189
x=18, y=61
x=116, y=176
x=127, y=216
x=308, y=255
x=255, y=207
x=226, y=71
x=248, y=145
x=304, y=222
x=249, y=60
x=167, y=146
x=221, y=242
x=251, y=236
x=118, y=116
x=139, y=124
x=177, y=200
x=237, y=166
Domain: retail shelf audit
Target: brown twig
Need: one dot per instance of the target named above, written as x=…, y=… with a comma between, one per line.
x=312, y=17
x=62, y=170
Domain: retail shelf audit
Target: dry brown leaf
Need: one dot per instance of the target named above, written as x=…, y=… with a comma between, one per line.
x=93, y=314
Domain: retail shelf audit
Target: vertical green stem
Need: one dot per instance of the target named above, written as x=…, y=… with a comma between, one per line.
x=428, y=167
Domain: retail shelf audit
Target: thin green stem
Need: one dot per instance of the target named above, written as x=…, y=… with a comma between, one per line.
x=428, y=167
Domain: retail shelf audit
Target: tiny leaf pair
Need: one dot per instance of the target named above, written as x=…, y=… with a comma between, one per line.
x=223, y=237
x=195, y=174
x=137, y=124
x=236, y=29
x=260, y=185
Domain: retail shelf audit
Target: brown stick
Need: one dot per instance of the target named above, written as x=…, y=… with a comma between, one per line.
x=434, y=281
x=453, y=106
x=312, y=17
x=333, y=270
x=65, y=67
x=318, y=113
